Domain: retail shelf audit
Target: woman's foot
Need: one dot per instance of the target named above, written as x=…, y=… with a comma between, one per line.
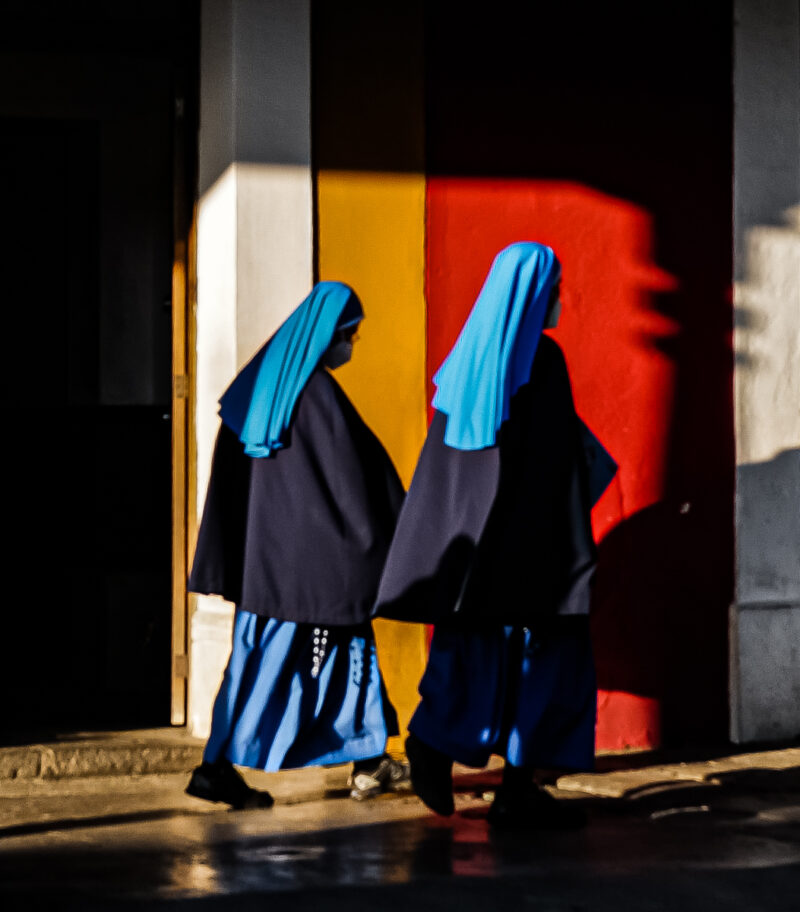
x=530, y=807
x=219, y=781
x=371, y=778
x=431, y=775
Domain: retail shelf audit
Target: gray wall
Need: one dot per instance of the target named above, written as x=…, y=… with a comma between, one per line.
x=765, y=619
x=255, y=103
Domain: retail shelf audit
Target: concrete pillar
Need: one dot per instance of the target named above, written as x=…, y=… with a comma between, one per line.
x=254, y=234
x=765, y=618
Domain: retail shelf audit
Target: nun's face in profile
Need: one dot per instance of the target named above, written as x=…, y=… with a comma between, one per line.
x=553, y=307
x=340, y=351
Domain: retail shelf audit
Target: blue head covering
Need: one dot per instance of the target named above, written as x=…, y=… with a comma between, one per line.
x=259, y=404
x=494, y=353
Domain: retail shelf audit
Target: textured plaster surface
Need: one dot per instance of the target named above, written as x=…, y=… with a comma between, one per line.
x=765, y=619
x=254, y=238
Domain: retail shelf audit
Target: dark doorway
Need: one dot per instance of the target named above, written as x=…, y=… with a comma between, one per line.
x=88, y=102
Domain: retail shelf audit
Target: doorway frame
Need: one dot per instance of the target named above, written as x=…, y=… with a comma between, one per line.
x=184, y=307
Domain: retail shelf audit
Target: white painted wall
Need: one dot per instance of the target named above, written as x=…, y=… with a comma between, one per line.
x=254, y=234
x=765, y=618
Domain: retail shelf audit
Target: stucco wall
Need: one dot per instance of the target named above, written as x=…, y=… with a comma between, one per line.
x=603, y=147
x=254, y=234
x=368, y=119
x=765, y=618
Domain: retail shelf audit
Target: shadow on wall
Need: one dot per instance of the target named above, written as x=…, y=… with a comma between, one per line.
x=769, y=527
x=765, y=621
x=582, y=132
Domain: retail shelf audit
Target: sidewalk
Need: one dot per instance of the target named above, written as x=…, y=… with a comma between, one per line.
x=631, y=775
x=172, y=750
x=666, y=832
x=170, y=753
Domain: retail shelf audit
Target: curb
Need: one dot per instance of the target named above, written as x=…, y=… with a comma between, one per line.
x=76, y=759
x=631, y=782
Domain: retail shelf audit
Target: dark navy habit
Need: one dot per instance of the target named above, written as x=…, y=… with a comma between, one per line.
x=494, y=547
x=301, y=535
x=494, y=544
x=500, y=535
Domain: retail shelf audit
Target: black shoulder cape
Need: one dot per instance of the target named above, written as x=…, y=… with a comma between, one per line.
x=301, y=535
x=499, y=535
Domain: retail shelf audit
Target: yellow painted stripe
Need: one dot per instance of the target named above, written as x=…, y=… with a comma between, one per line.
x=372, y=236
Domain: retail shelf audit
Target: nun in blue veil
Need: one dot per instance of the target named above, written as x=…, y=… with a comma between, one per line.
x=494, y=548
x=301, y=506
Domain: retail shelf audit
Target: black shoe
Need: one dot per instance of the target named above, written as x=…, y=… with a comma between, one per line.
x=221, y=782
x=532, y=808
x=431, y=775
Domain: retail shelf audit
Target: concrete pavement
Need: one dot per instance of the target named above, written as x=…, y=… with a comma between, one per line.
x=722, y=831
x=118, y=753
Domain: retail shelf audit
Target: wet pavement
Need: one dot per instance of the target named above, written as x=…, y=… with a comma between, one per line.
x=659, y=838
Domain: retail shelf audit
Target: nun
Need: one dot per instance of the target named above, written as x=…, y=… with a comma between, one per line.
x=300, y=509
x=494, y=547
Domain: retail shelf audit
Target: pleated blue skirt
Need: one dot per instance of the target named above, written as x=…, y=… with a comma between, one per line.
x=532, y=700
x=294, y=695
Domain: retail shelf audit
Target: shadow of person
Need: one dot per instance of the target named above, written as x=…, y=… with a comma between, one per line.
x=649, y=637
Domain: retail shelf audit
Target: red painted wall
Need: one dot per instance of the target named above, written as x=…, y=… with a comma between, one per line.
x=604, y=245
x=607, y=149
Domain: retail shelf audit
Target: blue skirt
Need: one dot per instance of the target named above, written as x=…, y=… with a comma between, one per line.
x=504, y=691
x=296, y=695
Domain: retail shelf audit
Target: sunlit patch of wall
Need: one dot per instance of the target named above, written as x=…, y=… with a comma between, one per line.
x=622, y=389
x=370, y=235
x=765, y=614
x=599, y=146
x=583, y=132
x=254, y=237
x=368, y=112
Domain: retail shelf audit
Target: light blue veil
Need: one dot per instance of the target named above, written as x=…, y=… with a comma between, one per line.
x=259, y=404
x=494, y=353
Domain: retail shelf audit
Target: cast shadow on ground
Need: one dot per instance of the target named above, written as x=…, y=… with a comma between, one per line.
x=687, y=847
x=81, y=823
